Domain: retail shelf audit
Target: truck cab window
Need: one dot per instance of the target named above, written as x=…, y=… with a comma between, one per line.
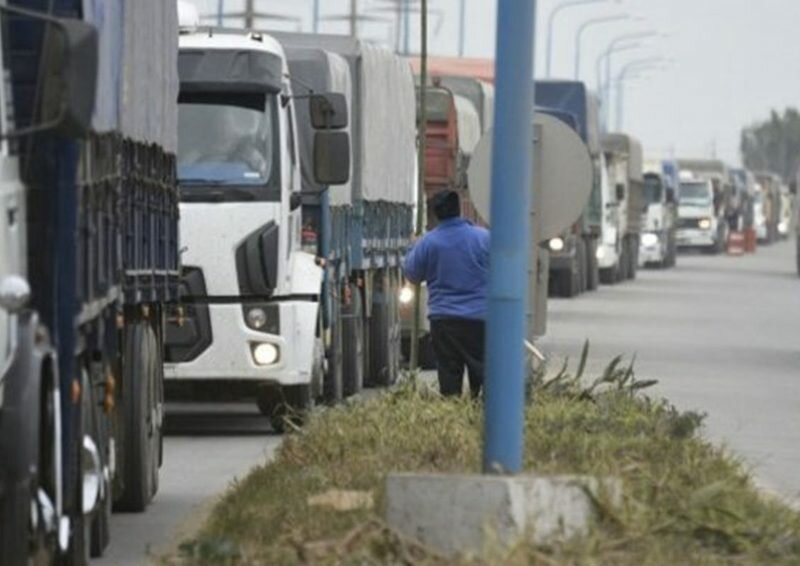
x=227, y=140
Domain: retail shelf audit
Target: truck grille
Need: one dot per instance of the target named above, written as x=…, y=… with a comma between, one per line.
x=688, y=223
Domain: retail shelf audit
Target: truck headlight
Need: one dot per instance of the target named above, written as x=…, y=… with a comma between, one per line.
x=406, y=294
x=704, y=224
x=556, y=245
x=649, y=239
x=783, y=228
x=265, y=354
x=256, y=318
x=600, y=253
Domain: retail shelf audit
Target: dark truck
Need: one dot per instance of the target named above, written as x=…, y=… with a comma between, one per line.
x=89, y=260
x=573, y=254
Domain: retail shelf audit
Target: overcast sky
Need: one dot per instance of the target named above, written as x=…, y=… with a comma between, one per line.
x=732, y=60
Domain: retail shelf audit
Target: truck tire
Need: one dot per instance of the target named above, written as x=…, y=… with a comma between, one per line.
x=633, y=258
x=427, y=355
x=797, y=246
x=100, y=522
x=140, y=450
x=333, y=384
x=580, y=256
x=353, y=343
x=384, y=329
x=285, y=406
x=608, y=276
x=593, y=273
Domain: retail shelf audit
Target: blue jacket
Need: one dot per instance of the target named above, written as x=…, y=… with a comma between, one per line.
x=453, y=259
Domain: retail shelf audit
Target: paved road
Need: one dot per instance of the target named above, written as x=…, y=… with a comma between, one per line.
x=207, y=447
x=722, y=335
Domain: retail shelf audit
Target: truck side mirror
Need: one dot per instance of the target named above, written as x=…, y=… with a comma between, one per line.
x=69, y=79
x=331, y=158
x=328, y=111
x=620, y=191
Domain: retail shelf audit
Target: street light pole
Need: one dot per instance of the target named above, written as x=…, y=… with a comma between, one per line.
x=634, y=67
x=613, y=47
x=550, y=23
x=462, y=21
x=353, y=18
x=511, y=181
x=581, y=30
x=314, y=17
x=220, y=11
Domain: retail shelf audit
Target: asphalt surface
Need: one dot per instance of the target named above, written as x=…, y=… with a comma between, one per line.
x=721, y=334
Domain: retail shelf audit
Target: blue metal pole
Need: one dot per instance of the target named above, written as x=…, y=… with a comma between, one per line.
x=512, y=173
x=462, y=27
x=315, y=18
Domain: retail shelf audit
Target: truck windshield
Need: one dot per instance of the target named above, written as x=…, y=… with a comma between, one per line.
x=697, y=193
x=653, y=189
x=227, y=145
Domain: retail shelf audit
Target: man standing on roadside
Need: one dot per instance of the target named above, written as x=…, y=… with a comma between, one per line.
x=453, y=259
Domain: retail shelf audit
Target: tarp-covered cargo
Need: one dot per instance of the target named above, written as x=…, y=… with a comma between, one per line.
x=469, y=125
x=573, y=97
x=137, y=81
x=481, y=95
x=627, y=150
x=320, y=71
x=383, y=102
x=623, y=144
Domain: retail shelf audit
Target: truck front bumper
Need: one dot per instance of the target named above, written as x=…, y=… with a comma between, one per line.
x=406, y=303
x=607, y=256
x=696, y=238
x=237, y=352
x=652, y=250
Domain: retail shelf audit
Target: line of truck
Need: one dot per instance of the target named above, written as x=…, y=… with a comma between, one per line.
x=204, y=213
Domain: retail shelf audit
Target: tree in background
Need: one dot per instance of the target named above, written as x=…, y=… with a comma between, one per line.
x=773, y=145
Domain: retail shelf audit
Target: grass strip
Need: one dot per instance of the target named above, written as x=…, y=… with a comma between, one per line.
x=321, y=500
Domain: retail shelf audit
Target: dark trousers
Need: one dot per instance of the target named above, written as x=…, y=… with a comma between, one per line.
x=458, y=343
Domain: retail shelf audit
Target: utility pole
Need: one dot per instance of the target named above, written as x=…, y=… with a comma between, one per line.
x=423, y=122
x=249, y=14
x=314, y=17
x=504, y=397
x=462, y=24
x=353, y=18
x=407, y=26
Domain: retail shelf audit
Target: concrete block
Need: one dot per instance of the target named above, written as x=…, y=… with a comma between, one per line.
x=460, y=514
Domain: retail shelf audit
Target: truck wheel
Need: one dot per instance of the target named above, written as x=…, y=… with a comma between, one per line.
x=580, y=256
x=633, y=259
x=139, y=410
x=353, y=343
x=100, y=522
x=608, y=276
x=285, y=406
x=798, y=255
x=384, y=328
x=427, y=356
x=333, y=386
x=593, y=274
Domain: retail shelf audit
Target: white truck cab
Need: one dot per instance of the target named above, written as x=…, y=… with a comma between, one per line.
x=250, y=293
x=657, y=244
x=697, y=221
